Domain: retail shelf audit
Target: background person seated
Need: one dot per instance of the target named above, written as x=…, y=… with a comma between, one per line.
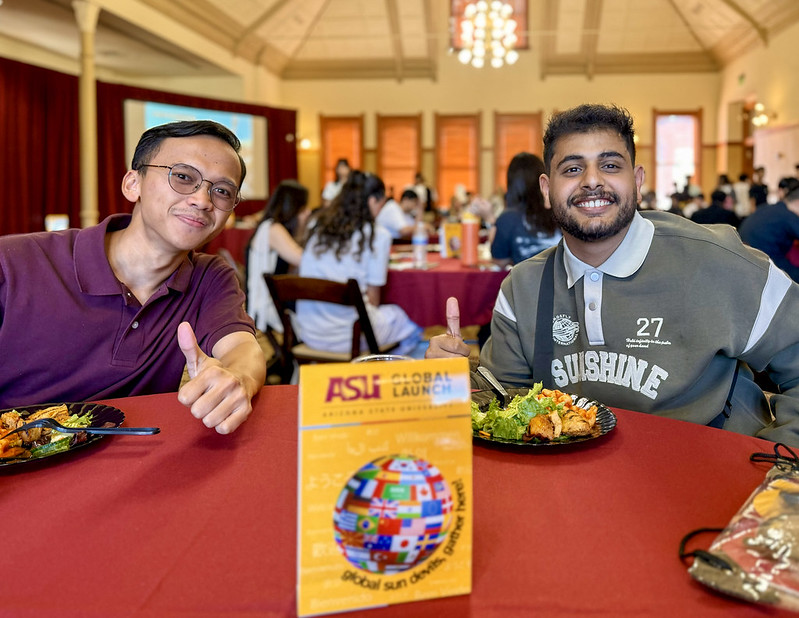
x=400, y=218
x=774, y=228
x=526, y=226
x=720, y=210
x=345, y=243
x=275, y=248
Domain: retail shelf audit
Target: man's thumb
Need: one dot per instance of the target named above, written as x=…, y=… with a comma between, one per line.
x=188, y=345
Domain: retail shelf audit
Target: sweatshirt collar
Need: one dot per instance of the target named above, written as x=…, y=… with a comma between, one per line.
x=624, y=261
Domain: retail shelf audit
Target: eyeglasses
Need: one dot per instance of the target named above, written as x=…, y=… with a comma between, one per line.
x=185, y=179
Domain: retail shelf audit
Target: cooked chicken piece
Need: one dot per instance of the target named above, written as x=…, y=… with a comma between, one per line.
x=540, y=427
x=556, y=422
x=10, y=420
x=575, y=425
x=589, y=415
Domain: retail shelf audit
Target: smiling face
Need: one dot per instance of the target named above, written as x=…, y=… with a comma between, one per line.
x=593, y=188
x=173, y=221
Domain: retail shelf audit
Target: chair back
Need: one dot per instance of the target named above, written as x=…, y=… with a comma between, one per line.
x=291, y=288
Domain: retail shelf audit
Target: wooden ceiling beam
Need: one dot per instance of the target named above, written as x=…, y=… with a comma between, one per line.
x=394, y=32
x=258, y=22
x=761, y=31
x=590, y=42
x=356, y=69
x=608, y=64
x=687, y=23
x=549, y=29
x=430, y=32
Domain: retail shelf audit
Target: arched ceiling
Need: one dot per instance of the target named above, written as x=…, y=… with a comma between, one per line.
x=396, y=39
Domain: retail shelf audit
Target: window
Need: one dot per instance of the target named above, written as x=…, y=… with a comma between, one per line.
x=514, y=133
x=342, y=138
x=399, y=145
x=677, y=150
x=457, y=155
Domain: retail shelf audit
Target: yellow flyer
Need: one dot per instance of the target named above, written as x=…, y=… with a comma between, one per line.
x=451, y=240
x=385, y=484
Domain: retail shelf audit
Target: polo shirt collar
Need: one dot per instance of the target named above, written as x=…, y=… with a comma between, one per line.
x=93, y=272
x=624, y=261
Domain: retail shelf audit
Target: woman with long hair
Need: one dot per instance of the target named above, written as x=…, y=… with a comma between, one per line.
x=526, y=226
x=345, y=243
x=333, y=187
x=274, y=248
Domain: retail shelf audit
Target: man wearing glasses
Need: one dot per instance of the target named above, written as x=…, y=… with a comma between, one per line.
x=120, y=308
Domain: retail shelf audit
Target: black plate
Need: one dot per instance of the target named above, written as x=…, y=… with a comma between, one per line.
x=102, y=416
x=605, y=419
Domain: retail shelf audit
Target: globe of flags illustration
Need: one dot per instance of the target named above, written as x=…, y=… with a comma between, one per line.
x=392, y=514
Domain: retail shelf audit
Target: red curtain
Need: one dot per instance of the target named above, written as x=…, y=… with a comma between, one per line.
x=39, y=157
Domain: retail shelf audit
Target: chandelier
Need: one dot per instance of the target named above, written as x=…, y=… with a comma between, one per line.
x=488, y=34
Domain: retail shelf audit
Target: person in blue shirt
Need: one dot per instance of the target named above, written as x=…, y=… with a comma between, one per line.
x=526, y=226
x=774, y=228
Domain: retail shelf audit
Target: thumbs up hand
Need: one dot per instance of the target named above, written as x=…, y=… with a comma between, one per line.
x=188, y=345
x=450, y=344
x=214, y=394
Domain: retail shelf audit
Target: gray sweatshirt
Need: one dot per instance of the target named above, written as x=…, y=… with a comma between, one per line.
x=660, y=327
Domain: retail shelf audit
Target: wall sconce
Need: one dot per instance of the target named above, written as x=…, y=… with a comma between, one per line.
x=760, y=117
x=302, y=142
x=488, y=34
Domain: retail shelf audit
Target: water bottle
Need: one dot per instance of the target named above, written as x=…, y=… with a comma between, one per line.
x=419, y=241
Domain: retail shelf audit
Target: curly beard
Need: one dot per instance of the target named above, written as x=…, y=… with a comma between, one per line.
x=600, y=228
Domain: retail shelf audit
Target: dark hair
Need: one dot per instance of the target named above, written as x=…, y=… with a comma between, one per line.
x=585, y=119
x=349, y=212
x=524, y=192
x=285, y=203
x=718, y=196
x=409, y=194
x=743, y=177
x=151, y=139
x=339, y=162
x=791, y=187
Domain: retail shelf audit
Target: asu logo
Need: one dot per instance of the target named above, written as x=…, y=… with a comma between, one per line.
x=564, y=329
x=353, y=387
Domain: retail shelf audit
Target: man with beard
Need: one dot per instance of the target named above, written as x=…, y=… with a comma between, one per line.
x=641, y=310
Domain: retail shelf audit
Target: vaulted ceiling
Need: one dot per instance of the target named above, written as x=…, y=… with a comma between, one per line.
x=397, y=39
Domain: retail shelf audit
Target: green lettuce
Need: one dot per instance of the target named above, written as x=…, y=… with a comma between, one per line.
x=512, y=422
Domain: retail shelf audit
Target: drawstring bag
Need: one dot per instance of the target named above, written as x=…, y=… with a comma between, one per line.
x=756, y=557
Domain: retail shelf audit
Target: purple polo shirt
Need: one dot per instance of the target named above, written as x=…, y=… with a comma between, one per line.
x=71, y=331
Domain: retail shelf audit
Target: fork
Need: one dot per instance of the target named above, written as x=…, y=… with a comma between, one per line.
x=55, y=425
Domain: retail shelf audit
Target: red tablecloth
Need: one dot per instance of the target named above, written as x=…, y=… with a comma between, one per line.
x=423, y=293
x=793, y=254
x=189, y=523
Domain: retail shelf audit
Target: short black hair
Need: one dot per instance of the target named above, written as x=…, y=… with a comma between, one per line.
x=585, y=119
x=718, y=196
x=409, y=194
x=151, y=139
x=791, y=187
